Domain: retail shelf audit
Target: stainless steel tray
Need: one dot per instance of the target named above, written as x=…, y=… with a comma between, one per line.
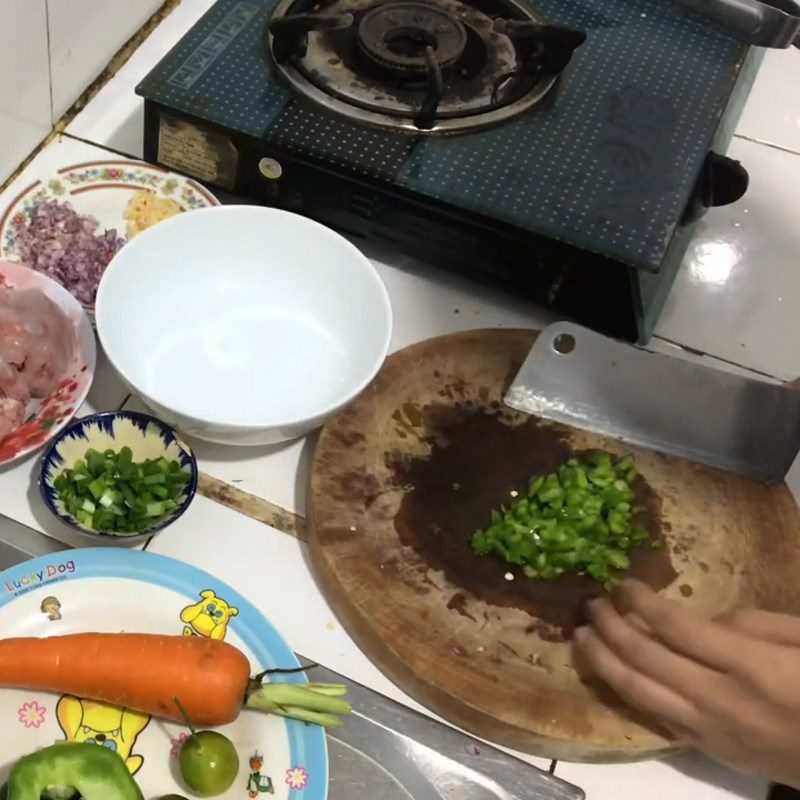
x=385, y=751
x=390, y=752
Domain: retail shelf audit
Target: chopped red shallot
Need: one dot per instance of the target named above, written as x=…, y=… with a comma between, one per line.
x=66, y=246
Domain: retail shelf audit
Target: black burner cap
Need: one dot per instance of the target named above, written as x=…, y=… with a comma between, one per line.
x=396, y=36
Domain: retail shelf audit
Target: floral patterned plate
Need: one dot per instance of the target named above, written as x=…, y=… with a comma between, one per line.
x=110, y=590
x=101, y=189
x=46, y=417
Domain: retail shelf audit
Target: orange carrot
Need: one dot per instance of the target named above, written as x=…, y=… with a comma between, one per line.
x=147, y=672
x=134, y=670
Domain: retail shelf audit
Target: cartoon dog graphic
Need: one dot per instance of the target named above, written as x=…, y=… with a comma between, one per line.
x=209, y=617
x=105, y=725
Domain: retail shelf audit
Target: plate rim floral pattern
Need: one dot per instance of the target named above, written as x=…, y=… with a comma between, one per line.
x=75, y=178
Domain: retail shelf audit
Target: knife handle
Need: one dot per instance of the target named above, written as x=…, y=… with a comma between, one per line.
x=767, y=24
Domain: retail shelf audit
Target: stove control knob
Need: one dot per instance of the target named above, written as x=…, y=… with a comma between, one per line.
x=270, y=168
x=722, y=181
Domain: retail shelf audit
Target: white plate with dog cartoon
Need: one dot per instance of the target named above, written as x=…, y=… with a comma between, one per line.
x=110, y=590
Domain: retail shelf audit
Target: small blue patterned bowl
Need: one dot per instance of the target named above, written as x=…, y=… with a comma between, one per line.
x=147, y=437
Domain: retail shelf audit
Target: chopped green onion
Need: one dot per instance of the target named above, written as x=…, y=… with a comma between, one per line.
x=112, y=493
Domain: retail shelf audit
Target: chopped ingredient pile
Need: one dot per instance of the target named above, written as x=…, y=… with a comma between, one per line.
x=110, y=492
x=145, y=209
x=67, y=247
x=580, y=519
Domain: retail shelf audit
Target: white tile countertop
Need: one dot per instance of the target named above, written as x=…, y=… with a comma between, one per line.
x=735, y=299
x=772, y=114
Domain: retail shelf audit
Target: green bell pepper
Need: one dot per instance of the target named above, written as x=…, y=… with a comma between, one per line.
x=60, y=770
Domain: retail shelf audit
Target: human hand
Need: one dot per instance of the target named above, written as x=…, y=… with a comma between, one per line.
x=729, y=687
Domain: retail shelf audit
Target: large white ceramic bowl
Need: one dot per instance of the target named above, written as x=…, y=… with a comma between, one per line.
x=243, y=325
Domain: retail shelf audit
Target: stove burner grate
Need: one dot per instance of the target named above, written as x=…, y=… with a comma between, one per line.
x=438, y=66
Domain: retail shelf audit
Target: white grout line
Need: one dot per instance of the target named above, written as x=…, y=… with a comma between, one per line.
x=693, y=351
x=49, y=61
x=774, y=146
x=106, y=147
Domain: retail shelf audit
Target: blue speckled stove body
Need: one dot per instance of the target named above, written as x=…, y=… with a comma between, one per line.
x=605, y=166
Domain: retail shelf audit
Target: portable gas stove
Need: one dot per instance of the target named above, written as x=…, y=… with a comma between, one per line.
x=560, y=148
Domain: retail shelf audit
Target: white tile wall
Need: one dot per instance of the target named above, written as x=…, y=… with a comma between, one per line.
x=84, y=35
x=50, y=51
x=24, y=81
x=114, y=118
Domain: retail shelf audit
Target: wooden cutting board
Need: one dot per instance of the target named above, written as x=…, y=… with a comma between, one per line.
x=403, y=477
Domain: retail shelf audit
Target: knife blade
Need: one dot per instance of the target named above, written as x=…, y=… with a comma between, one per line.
x=736, y=423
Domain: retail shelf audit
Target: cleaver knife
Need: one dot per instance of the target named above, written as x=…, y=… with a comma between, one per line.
x=739, y=424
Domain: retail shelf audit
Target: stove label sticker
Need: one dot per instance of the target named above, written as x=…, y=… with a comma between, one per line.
x=215, y=43
x=206, y=155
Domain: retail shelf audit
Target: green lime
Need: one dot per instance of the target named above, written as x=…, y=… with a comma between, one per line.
x=172, y=797
x=209, y=763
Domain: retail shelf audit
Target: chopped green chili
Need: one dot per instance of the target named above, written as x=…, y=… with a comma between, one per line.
x=580, y=519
